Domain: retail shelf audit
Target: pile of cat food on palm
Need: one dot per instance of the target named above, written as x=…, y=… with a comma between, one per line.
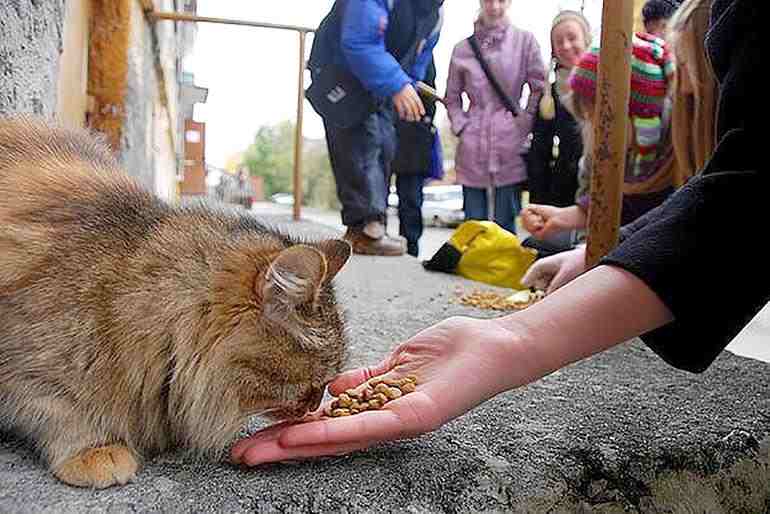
x=492, y=300
x=373, y=396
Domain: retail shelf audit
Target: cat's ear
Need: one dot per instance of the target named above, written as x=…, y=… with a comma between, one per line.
x=337, y=253
x=294, y=277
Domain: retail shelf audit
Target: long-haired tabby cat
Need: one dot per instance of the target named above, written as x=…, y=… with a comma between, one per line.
x=128, y=326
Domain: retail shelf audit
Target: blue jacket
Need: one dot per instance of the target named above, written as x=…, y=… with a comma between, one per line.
x=362, y=47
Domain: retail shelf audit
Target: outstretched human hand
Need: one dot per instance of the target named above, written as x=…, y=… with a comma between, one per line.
x=459, y=363
x=551, y=273
x=544, y=221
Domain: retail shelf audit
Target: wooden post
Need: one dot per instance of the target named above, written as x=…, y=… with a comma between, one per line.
x=610, y=138
x=298, y=134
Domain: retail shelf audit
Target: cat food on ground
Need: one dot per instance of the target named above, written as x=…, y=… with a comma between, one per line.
x=495, y=301
x=374, y=395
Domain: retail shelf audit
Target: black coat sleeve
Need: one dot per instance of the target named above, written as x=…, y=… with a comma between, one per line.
x=701, y=253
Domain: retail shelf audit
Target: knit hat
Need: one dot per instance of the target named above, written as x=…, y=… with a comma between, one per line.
x=547, y=105
x=651, y=71
x=575, y=16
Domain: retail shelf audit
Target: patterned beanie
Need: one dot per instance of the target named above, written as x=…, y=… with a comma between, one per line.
x=651, y=71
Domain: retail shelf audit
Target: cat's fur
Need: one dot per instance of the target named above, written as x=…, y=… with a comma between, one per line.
x=129, y=326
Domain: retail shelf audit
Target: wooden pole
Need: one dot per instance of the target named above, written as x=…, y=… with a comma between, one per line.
x=298, y=134
x=610, y=138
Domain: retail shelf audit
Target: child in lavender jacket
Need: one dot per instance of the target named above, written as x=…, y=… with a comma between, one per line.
x=489, y=156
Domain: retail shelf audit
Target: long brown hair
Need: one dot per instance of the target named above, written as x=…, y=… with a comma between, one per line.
x=695, y=92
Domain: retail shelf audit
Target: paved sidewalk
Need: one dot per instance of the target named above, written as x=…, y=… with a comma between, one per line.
x=753, y=342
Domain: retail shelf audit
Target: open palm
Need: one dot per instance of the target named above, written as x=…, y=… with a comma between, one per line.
x=457, y=364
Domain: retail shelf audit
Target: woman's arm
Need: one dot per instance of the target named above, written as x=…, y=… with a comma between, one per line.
x=486, y=357
x=453, y=100
x=583, y=318
x=536, y=78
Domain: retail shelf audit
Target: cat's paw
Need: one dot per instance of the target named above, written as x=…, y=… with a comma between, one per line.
x=99, y=467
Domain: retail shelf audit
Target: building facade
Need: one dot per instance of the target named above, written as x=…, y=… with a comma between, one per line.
x=103, y=64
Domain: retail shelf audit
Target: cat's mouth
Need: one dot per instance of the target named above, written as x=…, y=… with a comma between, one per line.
x=295, y=409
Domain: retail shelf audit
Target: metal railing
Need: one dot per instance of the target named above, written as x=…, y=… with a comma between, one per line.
x=301, y=33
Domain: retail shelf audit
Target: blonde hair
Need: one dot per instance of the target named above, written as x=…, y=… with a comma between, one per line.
x=547, y=106
x=693, y=129
x=568, y=15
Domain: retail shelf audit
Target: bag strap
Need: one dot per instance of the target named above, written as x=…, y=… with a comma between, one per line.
x=491, y=77
x=424, y=28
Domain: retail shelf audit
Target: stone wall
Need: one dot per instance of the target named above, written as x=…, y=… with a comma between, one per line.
x=133, y=78
x=30, y=44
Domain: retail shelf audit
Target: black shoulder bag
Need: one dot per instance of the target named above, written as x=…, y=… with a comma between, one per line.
x=491, y=77
x=335, y=93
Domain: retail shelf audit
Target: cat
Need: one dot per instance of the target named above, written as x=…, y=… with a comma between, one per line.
x=129, y=326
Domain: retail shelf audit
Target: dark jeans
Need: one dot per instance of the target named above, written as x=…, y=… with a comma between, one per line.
x=409, y=189
x=507, y=205
x=360, y=157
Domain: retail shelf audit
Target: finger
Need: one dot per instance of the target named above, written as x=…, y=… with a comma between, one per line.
x=540, y=232
x=535, y=208
x=398, y=419
x=414, y=113
x=355, y=377
x=400, y=109
x=549, y=230
x=539, y=277
x=418, y=110
x=532, y=275
x=420, y=106
x=274, y=452
x=263, y=436
x=558, y=281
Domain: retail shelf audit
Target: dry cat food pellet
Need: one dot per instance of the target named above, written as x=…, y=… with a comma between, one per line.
x=374, y=396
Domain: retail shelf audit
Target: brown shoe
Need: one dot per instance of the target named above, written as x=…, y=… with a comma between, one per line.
x=365, y=245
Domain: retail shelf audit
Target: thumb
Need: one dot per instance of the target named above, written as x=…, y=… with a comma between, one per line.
x=355, y=377
x=560, y=278
x=538, y=274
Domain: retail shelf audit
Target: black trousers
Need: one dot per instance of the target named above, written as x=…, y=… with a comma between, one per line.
x=409, y=190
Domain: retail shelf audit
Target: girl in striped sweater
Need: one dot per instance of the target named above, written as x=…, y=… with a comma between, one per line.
x=650, y=166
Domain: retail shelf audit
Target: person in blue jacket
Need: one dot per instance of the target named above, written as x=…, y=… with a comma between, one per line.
x=387, y=46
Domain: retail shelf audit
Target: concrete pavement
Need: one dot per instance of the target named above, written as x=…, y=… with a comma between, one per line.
x=619, y=432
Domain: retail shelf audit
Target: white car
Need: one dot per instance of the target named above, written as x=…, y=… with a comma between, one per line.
x=442, y=206
x=283, y=198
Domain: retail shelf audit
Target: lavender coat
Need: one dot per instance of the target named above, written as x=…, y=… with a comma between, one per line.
x=491, y=139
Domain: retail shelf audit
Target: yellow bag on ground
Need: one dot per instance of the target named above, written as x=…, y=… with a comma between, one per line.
x=491, y=254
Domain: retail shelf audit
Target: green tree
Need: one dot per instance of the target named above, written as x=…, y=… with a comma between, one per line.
x=271, y=156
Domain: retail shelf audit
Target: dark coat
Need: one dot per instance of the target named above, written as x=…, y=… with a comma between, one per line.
x=700, y=245
x=554, y=181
